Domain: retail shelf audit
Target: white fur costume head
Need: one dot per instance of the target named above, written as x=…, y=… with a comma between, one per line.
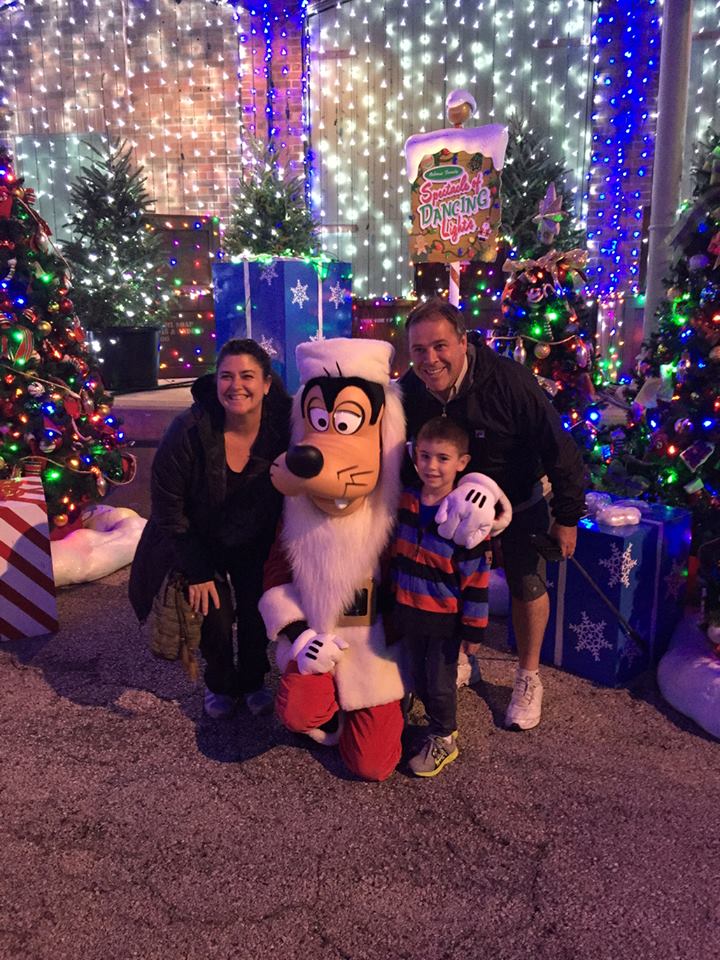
x=332, y=557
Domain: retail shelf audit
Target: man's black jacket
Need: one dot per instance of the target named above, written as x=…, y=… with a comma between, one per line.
x=516, y=435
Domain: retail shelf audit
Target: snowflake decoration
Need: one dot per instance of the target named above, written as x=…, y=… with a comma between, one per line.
x=299, y=294
x=337, y=294
x=619, y=565
x=268, y=273
x=268, y=346
x=590, y=636
x=674, y=581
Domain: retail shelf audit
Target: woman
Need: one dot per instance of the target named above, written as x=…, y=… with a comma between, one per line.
x=214, y=513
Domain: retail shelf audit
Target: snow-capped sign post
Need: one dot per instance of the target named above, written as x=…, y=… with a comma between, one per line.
x=455, y=176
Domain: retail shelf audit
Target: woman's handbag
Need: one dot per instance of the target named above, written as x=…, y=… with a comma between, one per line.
x=174, y=626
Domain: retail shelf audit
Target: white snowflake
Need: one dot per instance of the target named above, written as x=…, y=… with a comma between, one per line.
x=619, y=565
x=590, y=636
x=299, y=293
x=337, y=294
x=268, y=273
x=674, y=580
x=268, y=346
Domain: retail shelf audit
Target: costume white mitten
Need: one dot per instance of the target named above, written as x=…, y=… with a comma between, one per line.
x=317, y=652
x=467, y=514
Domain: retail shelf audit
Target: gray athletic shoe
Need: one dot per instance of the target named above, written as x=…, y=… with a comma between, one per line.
x=260, y=702
x=218, y=706
x=434, y=754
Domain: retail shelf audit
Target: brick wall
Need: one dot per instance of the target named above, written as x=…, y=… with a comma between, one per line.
x=176, y=79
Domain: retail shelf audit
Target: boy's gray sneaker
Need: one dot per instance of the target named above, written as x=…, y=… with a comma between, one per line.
x=525, y=707
x=435, y=753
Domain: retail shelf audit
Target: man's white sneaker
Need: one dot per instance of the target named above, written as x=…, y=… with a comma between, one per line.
x=525, y=707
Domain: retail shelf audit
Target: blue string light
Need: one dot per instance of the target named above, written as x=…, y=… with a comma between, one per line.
x=628, y=37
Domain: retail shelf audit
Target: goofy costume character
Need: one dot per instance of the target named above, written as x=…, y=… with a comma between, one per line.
x=341, y=680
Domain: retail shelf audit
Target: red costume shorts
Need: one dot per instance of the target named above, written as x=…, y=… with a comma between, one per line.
x=370, y=738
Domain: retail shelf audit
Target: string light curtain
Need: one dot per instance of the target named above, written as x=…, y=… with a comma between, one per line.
x=163, y=75
x=381, y=70
x=704, y=100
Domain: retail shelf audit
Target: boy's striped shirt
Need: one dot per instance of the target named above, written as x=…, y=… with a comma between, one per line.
x=438, y=585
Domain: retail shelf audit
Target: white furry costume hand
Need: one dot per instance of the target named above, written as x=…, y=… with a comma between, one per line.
x=317, y=652
x=467, y=515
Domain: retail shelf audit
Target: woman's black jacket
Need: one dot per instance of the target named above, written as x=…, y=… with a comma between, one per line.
x=193, y=524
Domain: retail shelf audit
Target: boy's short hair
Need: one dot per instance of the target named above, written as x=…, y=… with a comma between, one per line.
x=443, y=428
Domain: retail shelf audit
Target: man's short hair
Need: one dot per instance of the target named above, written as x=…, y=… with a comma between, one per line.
x=434, y=306
x=443, y=428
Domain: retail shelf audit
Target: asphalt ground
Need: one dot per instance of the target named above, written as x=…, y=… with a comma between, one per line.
x=133, y=827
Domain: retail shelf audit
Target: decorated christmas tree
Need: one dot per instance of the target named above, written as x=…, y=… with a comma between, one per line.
x=119, y=268
x=545, y=328
x=533, y=186
x=669, y=450
x=270, y=216
x=55, y=418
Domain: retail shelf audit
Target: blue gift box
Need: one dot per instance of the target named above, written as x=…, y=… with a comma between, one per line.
x=280, y=303
x=642, y=569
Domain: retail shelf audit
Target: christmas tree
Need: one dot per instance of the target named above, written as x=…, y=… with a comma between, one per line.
x=119, y=269
x=270, y=215
x=55, y=418
x=669, y=450
x=530, y=167
x=545, y=327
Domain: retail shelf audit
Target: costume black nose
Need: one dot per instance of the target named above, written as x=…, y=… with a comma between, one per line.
x=304, y=461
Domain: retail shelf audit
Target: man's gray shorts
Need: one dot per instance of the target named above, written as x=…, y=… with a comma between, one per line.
x=525, y=569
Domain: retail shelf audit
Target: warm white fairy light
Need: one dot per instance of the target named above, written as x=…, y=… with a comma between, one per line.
x=379, y=72
x=396, y=62
x=164, y=76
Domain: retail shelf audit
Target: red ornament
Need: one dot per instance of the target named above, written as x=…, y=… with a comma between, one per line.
x=6, y=202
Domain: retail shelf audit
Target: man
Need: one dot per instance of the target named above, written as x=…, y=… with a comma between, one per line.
x=516, y=438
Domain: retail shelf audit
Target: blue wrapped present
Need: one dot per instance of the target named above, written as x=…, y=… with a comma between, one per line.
x=642, y=569
x=280, y=303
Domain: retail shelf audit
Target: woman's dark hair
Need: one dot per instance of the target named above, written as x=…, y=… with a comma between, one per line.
x=236, y=347
x=434, y=306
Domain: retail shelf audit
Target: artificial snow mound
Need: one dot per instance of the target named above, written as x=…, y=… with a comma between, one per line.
x=490, y=140
x=689, y=676
x=106, y=542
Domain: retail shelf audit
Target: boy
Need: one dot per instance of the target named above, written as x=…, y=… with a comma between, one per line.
x=441, y=590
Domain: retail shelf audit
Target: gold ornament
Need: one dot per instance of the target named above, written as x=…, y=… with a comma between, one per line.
x=53, y=307
x=44, y=328
x=542, y=350
x=60, y=520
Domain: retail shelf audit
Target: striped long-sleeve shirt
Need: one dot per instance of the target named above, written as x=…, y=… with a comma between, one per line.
x=439, y=587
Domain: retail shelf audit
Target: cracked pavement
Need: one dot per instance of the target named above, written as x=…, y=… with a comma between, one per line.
x=133, y=827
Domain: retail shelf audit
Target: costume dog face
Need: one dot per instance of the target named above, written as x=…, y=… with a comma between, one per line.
x=339, y=429
x=336, y=463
